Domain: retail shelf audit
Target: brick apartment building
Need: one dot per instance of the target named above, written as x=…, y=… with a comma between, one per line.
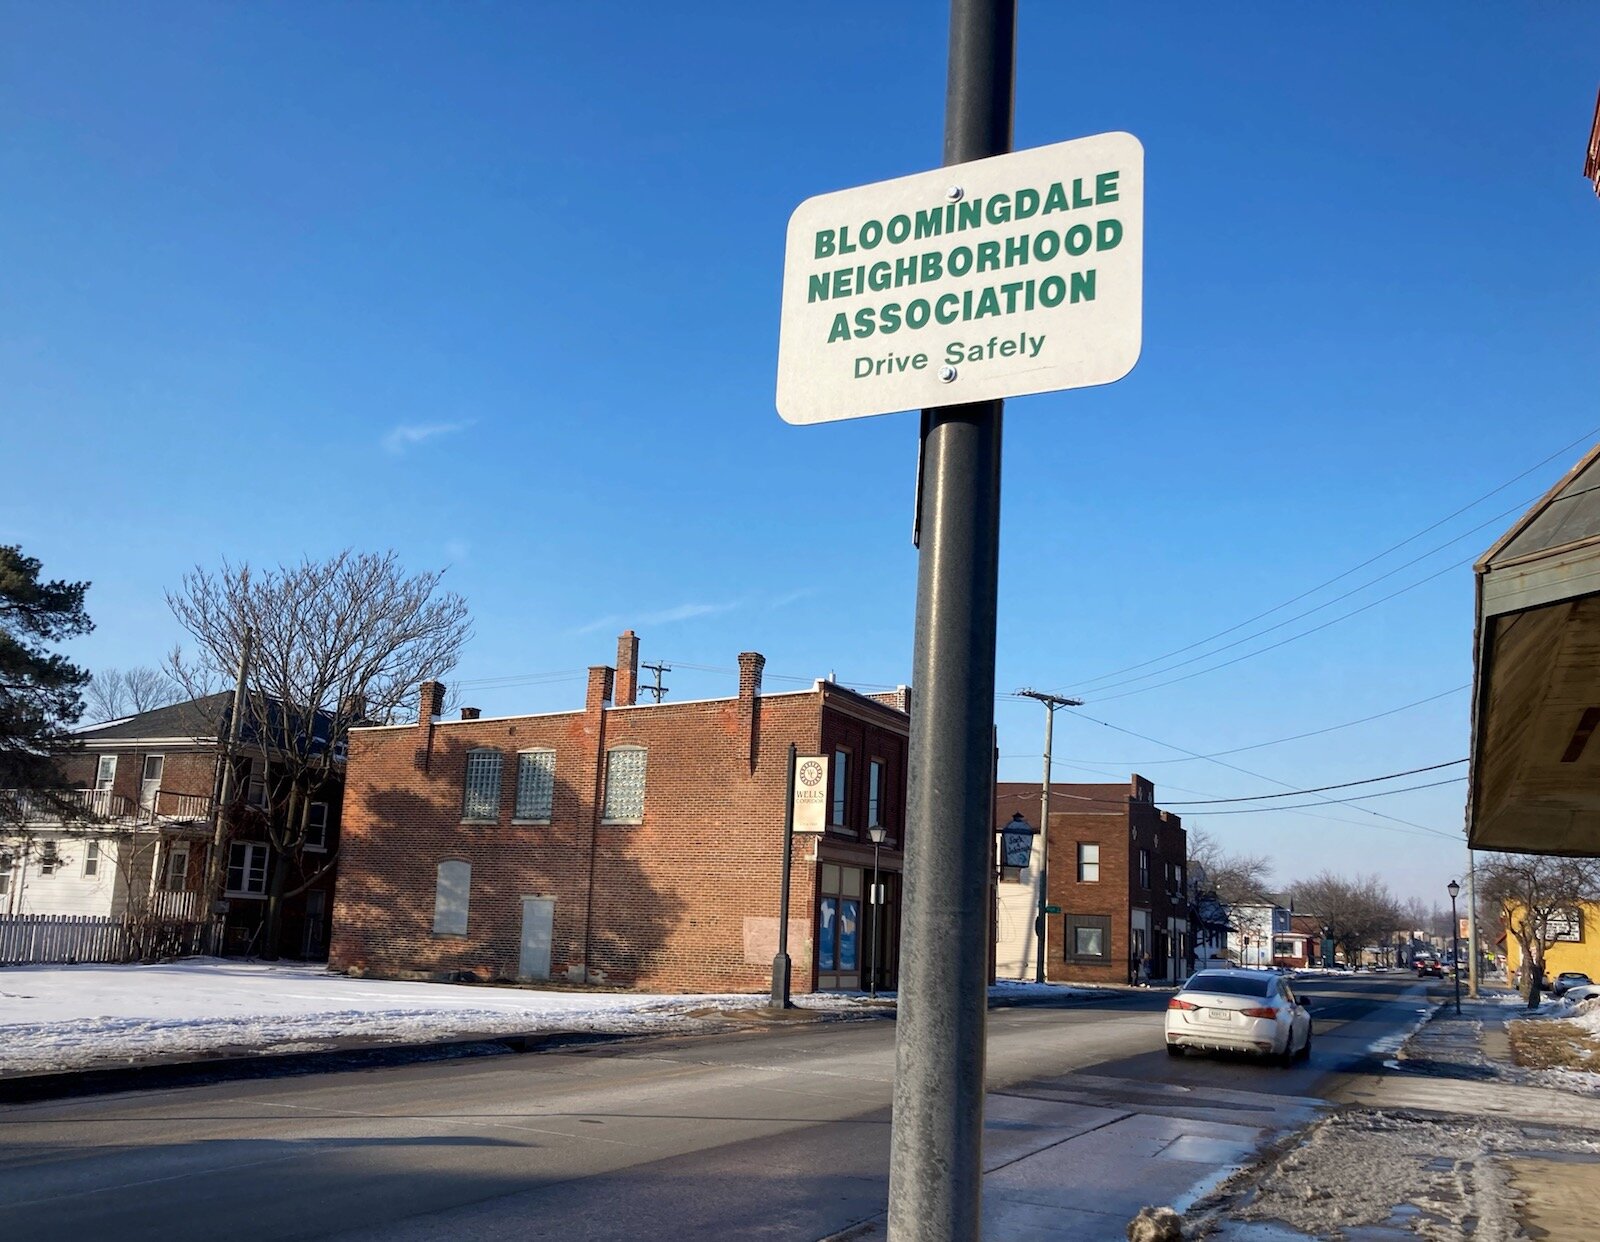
x=1118, y=871
x=624, y=843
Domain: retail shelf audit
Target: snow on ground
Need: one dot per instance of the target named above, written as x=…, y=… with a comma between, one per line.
x=55, y=1018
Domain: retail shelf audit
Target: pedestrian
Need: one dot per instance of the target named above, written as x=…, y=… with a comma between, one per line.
x=1144, y=971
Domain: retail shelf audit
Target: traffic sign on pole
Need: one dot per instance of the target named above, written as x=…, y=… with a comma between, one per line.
x=1016, y=274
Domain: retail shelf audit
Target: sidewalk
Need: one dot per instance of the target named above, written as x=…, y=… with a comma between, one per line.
x=1451, y=1140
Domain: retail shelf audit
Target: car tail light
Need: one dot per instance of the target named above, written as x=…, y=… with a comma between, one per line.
x=1259, y=1013
x=1178, y=1003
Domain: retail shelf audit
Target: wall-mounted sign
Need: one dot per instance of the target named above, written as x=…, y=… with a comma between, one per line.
x=1017, y=274
x=810, y=793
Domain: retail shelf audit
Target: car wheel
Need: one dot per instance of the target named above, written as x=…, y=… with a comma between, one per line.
x=1174, y=1050
x=1305, y=1048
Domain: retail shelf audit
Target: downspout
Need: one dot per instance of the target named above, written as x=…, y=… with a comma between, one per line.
x=599, y=693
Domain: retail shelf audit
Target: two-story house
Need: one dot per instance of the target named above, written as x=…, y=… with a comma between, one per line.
x=1118, y=885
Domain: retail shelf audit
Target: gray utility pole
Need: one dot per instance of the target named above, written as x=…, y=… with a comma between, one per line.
x=935, y=1166
x=1041, y=920
x=658, y=689
x=216, y=872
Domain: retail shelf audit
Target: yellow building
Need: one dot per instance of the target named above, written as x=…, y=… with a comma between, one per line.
x=1576, y=947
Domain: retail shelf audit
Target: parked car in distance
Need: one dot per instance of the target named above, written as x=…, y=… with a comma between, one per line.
x=1428, y=968
x=1582, y=992
x=1569, y=979
x=1239, y=1011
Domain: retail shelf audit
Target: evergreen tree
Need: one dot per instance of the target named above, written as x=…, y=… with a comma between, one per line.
x=40, y=691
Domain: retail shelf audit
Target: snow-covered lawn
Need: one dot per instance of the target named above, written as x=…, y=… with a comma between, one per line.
x=81, y=1017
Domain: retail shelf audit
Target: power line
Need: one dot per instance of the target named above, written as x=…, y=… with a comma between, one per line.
x=1206, y=655
x=1585, y=438
x=1256, y=810
x=1262, y=777
x=1382, y=599
x=1277, y=741
x=1295, y=793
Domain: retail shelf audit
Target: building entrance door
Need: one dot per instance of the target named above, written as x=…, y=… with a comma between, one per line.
x=538, y=917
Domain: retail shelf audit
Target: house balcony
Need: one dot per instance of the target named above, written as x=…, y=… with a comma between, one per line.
x=81, y=807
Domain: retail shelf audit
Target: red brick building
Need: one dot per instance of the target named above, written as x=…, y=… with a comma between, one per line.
x=1118, y=871
x=625, y=843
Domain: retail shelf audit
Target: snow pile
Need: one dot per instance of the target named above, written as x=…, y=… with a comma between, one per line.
x=1438, y=1179
x=56, y=1018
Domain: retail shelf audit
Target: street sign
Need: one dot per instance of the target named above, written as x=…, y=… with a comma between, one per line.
x=1052, y=909
x=1016, y=274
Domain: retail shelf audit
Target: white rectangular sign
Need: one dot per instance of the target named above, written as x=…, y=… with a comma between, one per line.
x=810, y=793
x=1011, y=275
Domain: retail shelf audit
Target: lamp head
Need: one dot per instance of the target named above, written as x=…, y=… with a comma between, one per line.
x=1453, y=889
x=877, y=834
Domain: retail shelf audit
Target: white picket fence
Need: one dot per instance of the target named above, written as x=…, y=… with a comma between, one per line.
x=61, y=939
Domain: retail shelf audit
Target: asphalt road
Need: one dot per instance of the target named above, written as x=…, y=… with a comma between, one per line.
x=774, y=1134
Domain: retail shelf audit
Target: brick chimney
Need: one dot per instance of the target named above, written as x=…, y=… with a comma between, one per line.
x=599, y=691
x=471, y=713
x=429, y=708
x=432, y=702
x=627, y=693
x=750, y=665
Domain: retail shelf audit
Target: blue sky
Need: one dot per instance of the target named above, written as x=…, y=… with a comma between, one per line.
x=497, y=287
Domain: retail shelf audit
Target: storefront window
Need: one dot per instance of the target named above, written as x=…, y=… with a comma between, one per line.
x=839, y=927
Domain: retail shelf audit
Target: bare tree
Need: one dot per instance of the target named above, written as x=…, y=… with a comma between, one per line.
x=1355, y=912
x=1536, y=896
x=336, y=643
x=1235, y=879
x=123, y=692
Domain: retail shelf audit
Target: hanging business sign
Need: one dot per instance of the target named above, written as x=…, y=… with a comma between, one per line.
x=1005, y=276
x=810, y=793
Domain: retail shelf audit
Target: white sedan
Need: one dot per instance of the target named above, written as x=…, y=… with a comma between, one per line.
x=1239, y=1011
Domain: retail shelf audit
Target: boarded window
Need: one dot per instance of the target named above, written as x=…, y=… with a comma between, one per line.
x=536, y=785
x=450, y=897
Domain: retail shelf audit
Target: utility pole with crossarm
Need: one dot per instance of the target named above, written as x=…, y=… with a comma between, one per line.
x=1051, y=702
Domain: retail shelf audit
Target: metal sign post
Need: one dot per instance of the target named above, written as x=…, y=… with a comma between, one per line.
x=780, y=962
x=935, y=1171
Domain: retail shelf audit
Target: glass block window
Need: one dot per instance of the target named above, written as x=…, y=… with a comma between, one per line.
x=536, y=785
x=624, y=803
x=482, y=798
x=1088, y=863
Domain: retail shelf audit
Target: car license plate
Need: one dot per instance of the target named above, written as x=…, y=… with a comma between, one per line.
x=1220, y=1015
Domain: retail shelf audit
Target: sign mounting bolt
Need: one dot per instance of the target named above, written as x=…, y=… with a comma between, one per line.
x=954, y=193
x=947, y=374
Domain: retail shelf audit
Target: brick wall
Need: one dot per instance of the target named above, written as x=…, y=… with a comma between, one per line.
x=686, y=900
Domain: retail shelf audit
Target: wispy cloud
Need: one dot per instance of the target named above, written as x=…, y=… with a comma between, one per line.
x=407, y=435
x=794, y=597
x=683, y=612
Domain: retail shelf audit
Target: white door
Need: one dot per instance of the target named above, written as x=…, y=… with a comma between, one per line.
x=151, y=781
x=538, y=915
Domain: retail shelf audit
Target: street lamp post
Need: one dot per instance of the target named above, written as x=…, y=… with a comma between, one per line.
x=877, y=834
x=1454, y=890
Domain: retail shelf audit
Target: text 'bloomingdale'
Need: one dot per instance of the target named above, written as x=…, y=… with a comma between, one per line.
x=1001, y=277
